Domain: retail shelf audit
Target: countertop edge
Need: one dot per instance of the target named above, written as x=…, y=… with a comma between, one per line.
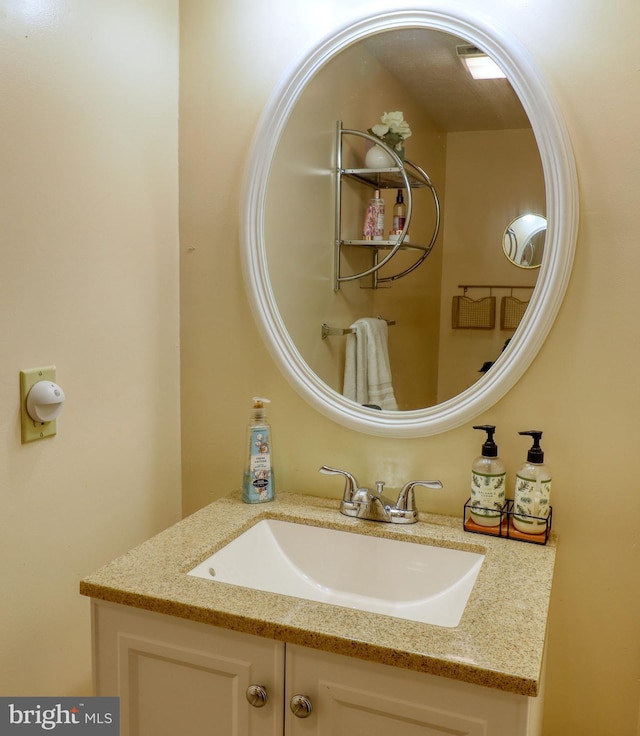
x=416, y=662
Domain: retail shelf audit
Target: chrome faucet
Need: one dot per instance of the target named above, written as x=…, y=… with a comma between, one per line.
x=373, y=505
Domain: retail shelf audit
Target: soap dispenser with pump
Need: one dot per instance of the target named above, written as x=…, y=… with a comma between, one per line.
x=488, y=480
x=258, y=483
x=532, y=494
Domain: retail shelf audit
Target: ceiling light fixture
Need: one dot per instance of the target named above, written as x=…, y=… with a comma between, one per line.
x=478, y=64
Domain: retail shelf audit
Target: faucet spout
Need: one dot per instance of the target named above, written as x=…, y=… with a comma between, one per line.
x=368, y=505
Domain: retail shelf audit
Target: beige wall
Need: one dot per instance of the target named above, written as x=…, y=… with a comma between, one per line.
x=493, y=177
x=581, y=389
x=299, y=218
x=89, y=283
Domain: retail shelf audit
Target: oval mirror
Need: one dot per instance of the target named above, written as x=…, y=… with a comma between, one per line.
x=289, y=217
x=523, y=240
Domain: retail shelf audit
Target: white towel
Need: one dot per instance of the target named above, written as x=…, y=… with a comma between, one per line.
x=367, y=374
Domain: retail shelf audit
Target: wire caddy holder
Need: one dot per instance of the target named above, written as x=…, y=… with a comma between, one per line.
x=505, y=527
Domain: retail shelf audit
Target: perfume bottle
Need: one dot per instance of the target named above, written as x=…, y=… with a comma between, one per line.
x=399, y=213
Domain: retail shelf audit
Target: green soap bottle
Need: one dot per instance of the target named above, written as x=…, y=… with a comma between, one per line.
x=532, y=493
x=488, y=481
x=258, y=484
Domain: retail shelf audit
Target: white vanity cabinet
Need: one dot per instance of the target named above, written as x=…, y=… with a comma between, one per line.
x=175, y=676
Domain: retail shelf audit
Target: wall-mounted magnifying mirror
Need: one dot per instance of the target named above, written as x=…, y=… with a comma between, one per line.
x=468, y=135
x=523, y=240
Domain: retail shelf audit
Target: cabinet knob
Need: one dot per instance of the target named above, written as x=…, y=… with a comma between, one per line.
x=257, y=695
x=300, y=706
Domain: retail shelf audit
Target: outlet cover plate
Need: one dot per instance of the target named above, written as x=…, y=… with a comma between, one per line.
x=35, y=430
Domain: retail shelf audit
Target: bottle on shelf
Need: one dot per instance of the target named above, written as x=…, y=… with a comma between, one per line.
x=399, y=213
x=374, y=218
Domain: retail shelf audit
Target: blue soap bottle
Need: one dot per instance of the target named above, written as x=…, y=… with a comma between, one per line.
x=258, y=485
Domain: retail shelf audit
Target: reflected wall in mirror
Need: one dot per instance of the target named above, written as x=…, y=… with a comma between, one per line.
x=523, y=240
x=470, y=136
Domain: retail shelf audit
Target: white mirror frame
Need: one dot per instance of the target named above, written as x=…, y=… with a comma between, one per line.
x=562, y=215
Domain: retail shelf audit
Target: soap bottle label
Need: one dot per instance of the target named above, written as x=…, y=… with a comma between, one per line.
x=258, y=483
x=487, y=497
x=531, y=504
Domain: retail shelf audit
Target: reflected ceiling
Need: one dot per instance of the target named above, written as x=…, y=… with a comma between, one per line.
x=439, y=81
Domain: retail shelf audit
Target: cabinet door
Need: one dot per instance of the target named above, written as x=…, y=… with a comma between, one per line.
x=180, y=677
x=356, y=698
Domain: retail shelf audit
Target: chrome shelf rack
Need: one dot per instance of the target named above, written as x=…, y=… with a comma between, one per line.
x=404, y=175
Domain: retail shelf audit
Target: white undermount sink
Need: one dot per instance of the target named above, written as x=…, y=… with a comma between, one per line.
x=408, y=580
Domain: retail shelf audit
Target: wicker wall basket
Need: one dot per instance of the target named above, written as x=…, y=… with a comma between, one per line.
x=473, y=314
x=511, y=312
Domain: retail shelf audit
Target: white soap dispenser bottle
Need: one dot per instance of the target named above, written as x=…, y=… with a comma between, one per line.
x=532, y=494
x=258, y=483
x=488, y=480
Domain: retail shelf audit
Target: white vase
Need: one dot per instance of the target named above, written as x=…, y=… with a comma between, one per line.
x=378, y=158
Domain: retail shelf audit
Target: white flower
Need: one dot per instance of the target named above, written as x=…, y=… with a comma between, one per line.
x=393, y=130
x=380, y=130
x=396, y=123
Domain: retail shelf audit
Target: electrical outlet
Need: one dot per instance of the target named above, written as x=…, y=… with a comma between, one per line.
x=32, y=430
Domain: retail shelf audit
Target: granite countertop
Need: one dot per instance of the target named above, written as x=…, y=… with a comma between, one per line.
x=499, y=642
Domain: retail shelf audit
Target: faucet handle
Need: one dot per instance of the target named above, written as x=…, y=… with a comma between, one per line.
x=407, y=498
x=350, y=483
